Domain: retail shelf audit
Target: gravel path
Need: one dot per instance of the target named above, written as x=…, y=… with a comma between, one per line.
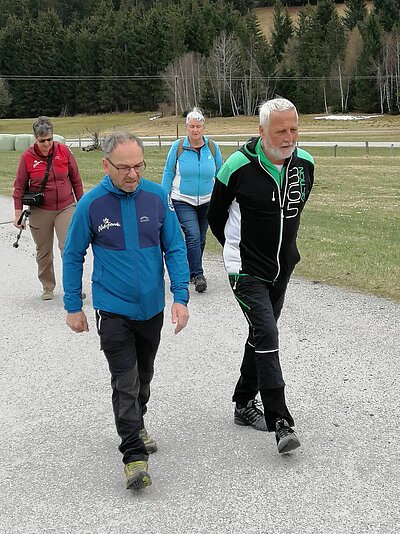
x=60, y=471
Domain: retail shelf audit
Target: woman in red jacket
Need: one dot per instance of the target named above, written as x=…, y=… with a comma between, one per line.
x=62, y=190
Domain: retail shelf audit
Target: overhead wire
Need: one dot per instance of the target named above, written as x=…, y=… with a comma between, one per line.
x=45, y=77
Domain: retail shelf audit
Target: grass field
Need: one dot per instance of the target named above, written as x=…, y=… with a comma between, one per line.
x=379, y=128
x=350, y=232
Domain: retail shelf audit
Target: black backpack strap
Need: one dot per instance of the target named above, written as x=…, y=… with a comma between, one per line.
x=46, y=176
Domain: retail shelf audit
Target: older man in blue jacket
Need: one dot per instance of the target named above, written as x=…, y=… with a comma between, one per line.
x=132, y=228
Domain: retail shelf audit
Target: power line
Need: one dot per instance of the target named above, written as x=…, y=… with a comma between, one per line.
x=99, y=77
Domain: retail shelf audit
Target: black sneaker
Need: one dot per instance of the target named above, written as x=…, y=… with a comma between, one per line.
x=286, y=438
x=250, y=415
x=200, y=283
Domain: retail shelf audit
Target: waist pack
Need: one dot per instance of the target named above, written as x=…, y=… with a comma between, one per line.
x=36, y=198
x=30, y=198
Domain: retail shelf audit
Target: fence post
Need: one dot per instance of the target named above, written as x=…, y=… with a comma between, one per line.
x=159, y=143
x=391, y=150
x=366, y=148
x=80, y=142
x=335, y=150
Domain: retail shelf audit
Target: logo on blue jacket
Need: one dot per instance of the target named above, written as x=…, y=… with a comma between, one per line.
x=107, y=224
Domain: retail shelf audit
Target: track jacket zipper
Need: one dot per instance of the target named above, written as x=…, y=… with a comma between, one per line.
x=281, y=200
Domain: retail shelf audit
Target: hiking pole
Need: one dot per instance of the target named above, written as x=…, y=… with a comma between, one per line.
x=24, y=215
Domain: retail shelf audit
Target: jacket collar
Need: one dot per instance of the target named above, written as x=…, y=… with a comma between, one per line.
x=251, y=150
x=108, y=184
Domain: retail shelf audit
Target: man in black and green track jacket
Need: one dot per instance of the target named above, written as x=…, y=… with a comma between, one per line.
x=254, y=213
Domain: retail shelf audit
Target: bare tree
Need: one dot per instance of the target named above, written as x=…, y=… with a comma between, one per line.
x=352, y=52
x=390, y=72
x=187, y=69
x=250, y=86
x=222, y=67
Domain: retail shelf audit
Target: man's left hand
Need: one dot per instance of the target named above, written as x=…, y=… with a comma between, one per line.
x=77, y=322
x=179, y=316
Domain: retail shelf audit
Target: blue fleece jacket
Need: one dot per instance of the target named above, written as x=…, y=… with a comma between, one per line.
x=191, y=178
x=131, y=234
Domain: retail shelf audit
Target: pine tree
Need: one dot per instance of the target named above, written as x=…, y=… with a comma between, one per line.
x=48, y=61
x=71, y=11
x=14, y=60
x=67, y=88
x=282, y=29
x=355, y=13
x=243, y=6
x=308, y=62
x=256, y=64
x=388, y=13
x=368, y=67
x=86, y=47
x=199, y=38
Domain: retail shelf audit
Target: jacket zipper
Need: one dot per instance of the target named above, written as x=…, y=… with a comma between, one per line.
x=198, y=171
x=198, y=176
x=281, y=200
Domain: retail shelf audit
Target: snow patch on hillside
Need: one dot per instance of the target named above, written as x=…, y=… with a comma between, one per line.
x=346, y=117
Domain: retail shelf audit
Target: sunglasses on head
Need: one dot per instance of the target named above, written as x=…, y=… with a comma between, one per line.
x=44, y=140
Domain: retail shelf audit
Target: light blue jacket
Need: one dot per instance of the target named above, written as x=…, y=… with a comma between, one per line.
x=131, y=234
x=191, y=178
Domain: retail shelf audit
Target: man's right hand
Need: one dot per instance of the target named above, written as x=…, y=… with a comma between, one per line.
x=77, y=322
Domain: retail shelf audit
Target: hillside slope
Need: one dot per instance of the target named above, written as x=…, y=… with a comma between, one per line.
x=266, y=15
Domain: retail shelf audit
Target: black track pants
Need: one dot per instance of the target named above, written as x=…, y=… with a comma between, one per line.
x=261, y=303
x=130, y=348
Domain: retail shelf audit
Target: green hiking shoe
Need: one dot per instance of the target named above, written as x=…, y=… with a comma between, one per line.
x=149, y=443
x=137, y=476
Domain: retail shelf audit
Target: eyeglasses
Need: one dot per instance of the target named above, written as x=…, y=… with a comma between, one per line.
x=126, y=169
x=48, y=139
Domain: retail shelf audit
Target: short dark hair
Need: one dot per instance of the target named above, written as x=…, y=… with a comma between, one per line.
x=42, y=126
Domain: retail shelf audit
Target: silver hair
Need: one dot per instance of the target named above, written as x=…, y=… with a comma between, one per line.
x=42, y=126
x=195, y=114
x=111, y=142
x=275, y=104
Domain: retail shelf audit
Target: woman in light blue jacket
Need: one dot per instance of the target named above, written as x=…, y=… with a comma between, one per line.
x=189, y=173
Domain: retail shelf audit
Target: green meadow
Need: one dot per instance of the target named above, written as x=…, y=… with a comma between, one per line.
x=350, y=232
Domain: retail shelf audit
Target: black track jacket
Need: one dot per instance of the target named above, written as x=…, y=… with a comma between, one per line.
x=254, y=219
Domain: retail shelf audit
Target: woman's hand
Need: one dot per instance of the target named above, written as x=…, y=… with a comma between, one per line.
x=17, y=215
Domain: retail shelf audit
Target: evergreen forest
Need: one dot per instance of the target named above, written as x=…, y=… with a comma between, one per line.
x=64, y=57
